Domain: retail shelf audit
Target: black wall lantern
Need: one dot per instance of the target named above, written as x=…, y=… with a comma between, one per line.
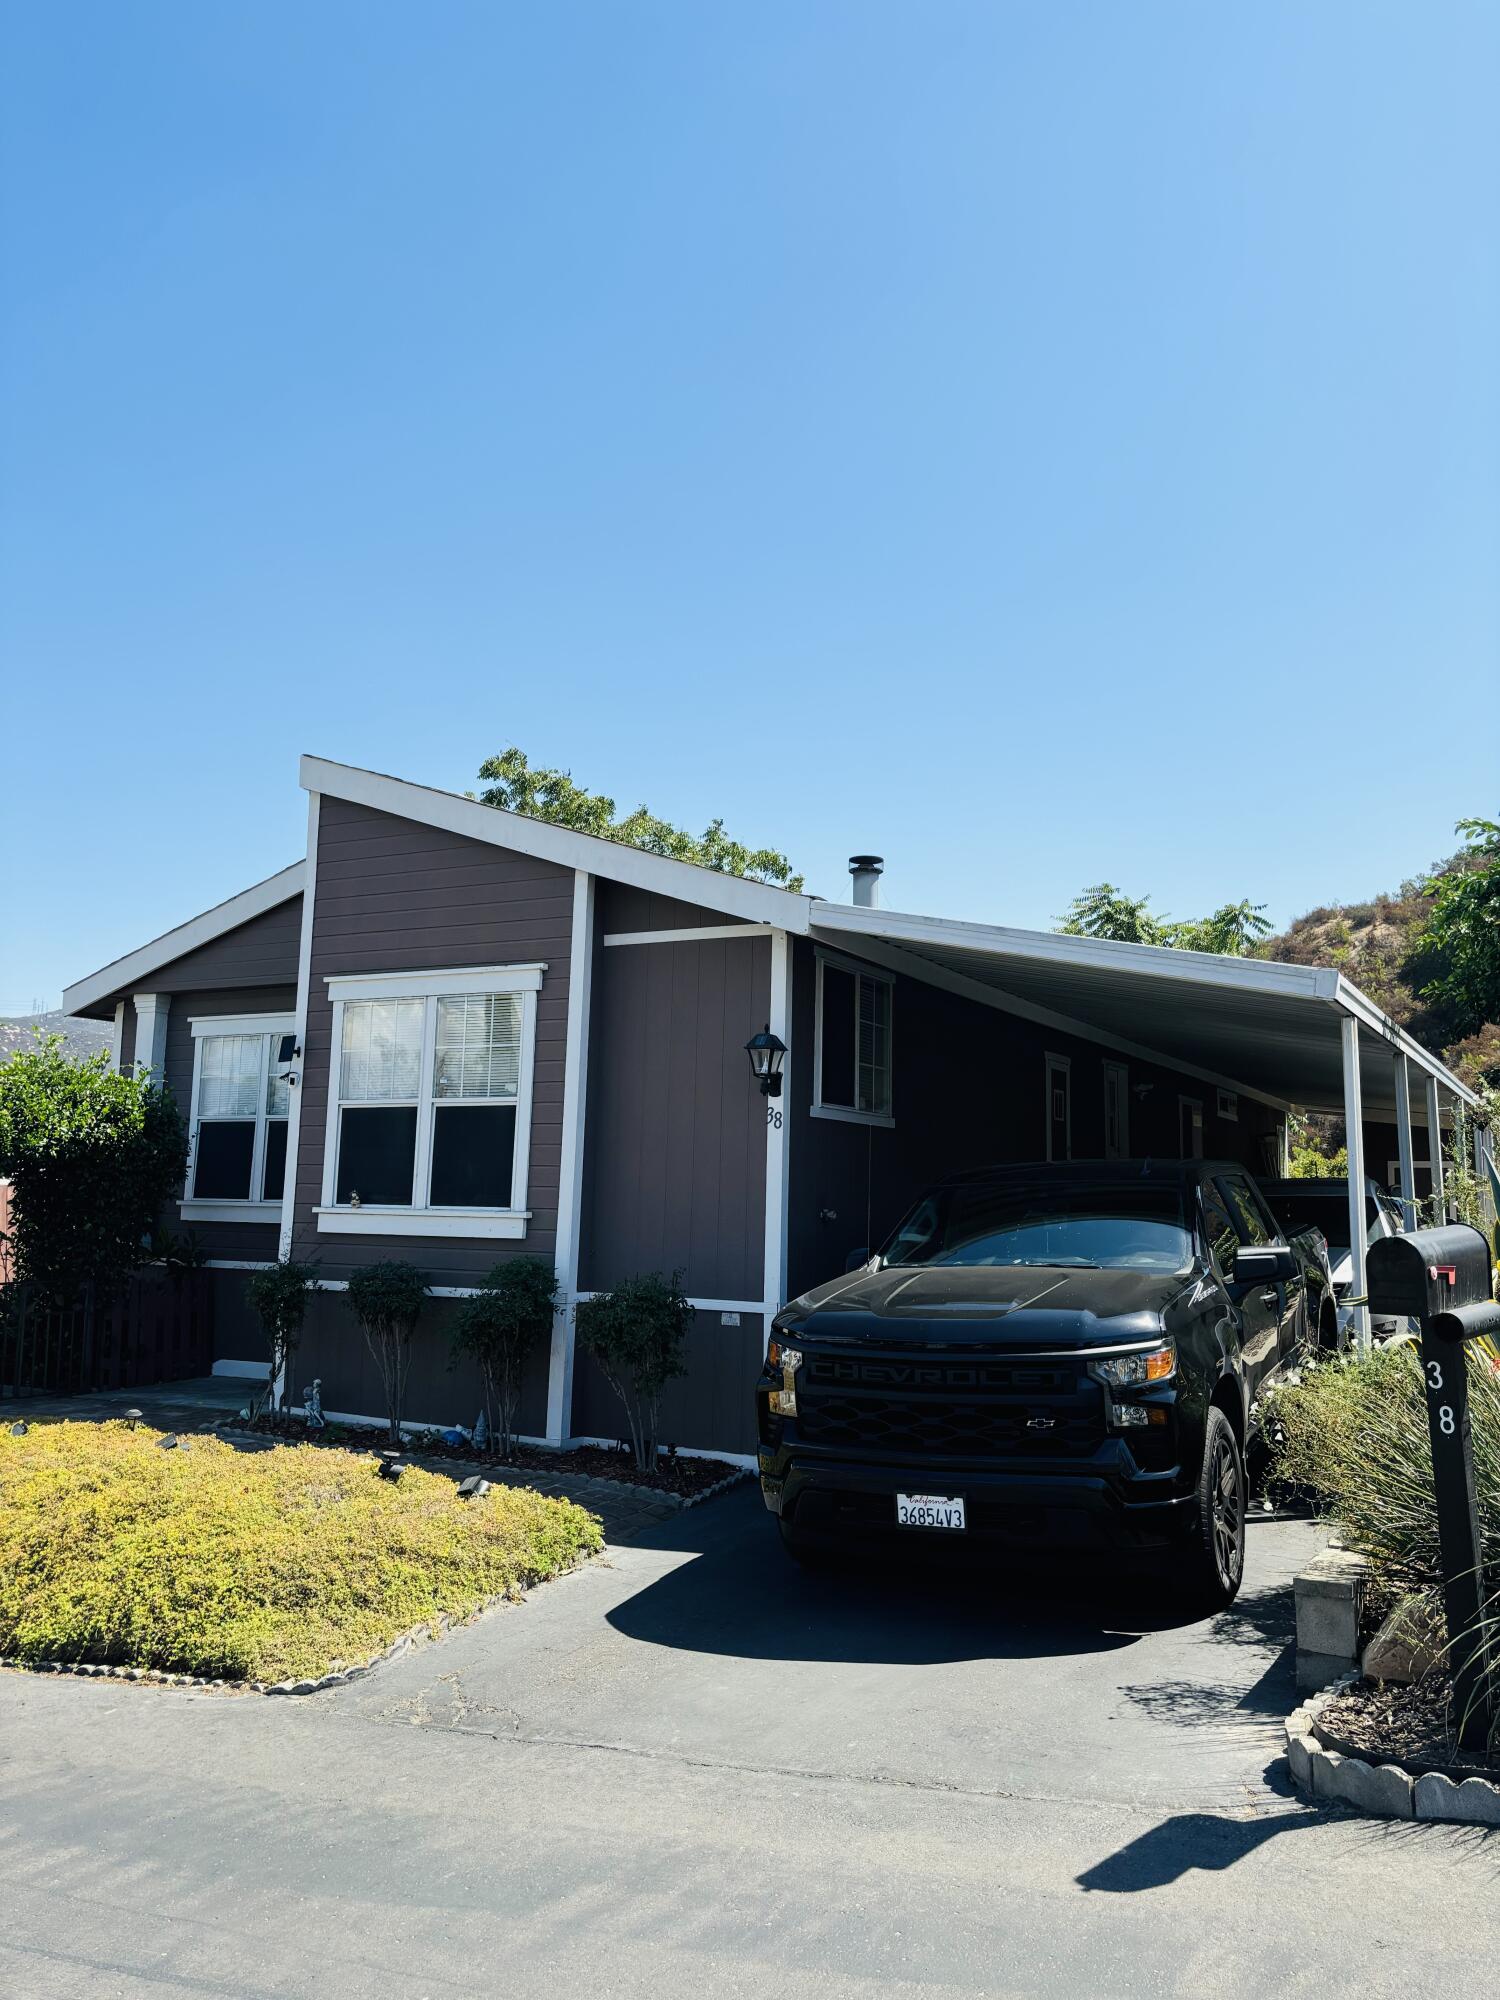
x=767, y=1052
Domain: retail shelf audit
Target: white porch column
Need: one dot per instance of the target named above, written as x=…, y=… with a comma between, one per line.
x=1403, y=1141
x=570, y=1186
x=117, y=1037
x=1354, y=1112
x=1435, y=1150
x=778, y=1113
x=151, y=1032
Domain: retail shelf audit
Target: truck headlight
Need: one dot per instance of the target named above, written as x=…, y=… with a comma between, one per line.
x=784, y=1361
x=1136, y=1371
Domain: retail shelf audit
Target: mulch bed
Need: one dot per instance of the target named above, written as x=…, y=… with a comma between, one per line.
x=674, y=1473
x=1390, y=1724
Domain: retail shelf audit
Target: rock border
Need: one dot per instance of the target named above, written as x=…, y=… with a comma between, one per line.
x=1383, y=1791
x=458, y=1468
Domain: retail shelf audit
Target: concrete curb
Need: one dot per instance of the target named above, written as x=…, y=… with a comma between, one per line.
x=1383, y=1791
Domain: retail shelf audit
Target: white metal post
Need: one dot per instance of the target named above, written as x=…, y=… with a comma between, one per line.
x=1403, y=1141
x=1435, y=1151
x=570, y=1186
x=778, y=1116
x=1354, y=1113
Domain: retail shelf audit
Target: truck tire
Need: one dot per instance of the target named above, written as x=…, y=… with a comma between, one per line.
x=1216, y=1551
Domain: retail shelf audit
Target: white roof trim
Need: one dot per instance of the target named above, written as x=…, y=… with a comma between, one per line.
x=125, y=974
x=1264, y=976
x=758, y=902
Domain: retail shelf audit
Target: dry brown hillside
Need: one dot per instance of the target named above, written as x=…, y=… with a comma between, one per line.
x=1373, y=943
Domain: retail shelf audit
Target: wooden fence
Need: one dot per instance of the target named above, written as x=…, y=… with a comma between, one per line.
x=159, y=1330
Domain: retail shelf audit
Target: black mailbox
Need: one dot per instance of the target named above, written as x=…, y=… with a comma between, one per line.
x=1428, y=1271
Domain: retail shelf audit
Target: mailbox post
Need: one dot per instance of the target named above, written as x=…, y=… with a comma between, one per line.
x=1442, y=1276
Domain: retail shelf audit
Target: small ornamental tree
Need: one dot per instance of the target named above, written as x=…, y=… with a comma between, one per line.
x=636, y=1334
x=91, y=1156
x=387, y=1299
x=278, y=1295
x=500, y=1326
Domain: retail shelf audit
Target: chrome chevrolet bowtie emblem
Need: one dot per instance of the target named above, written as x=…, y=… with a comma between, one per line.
x=1041, y=1424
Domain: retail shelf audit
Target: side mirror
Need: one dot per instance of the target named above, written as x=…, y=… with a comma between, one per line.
x=857, y=1257
x=1264, y=1264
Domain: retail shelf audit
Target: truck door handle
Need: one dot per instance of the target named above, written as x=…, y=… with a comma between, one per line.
x=1270, y=1296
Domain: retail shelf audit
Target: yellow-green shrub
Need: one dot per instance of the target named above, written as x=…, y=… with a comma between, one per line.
x=248, y=1565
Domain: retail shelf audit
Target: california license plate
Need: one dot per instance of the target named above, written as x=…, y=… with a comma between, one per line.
x=928, y=1510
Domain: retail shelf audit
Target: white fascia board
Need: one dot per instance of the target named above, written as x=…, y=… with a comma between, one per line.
x=130, y=972
x=994, y=997
x=685, y=881
x=1348, y=999
x=1154, y=961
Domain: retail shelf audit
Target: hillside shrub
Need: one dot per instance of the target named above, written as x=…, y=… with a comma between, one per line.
x=501, y=1326
x=387, y=1300
x=636, y=1332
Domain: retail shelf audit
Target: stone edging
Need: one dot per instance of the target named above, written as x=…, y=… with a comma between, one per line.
x=1384, y=1790
x=597, y=1487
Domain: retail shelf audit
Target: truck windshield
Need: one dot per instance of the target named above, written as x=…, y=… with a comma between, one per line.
x=1075, y=1228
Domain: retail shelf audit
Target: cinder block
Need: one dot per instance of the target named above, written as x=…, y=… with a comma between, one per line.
x=1299, y=1753
x=1474, y=1802
x=1316, y=1670
x=1329, y=1596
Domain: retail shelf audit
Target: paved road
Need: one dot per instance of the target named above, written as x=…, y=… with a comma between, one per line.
x=697, y=1772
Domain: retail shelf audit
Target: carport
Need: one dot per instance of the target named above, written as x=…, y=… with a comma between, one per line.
x=1294, y=1036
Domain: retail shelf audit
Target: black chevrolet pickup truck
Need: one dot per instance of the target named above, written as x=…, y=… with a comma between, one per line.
x=1042, y=1356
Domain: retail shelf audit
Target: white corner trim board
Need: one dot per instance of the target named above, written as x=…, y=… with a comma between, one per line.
x=570, y=1169
x=694, y=934
x=299, y=1029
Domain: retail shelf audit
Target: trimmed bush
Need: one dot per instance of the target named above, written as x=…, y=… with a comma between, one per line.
x=636, y=1332
x=248, y=1565
x=279, y=1297
x=387, y=1301
x=501, y=1326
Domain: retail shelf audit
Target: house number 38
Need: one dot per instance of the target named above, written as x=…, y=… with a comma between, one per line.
x=773, y=1117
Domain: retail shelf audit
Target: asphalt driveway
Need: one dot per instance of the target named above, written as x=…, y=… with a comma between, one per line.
x=696, y=1770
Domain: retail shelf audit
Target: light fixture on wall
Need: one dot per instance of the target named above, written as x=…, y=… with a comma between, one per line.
x=767, y=1052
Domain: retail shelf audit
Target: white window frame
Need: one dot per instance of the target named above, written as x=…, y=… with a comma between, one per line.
x=1053, y=1064
x=1117, y=1073
x=846, y=1113
x=421, y=1219
x=1227, y=1104
x=223, y=1208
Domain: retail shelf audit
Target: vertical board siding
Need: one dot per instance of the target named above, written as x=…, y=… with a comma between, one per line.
x=967, y=1087
x=674, y=1167
x=396, y=896
x=250, y=1240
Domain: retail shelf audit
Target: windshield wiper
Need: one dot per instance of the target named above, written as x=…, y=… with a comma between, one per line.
x=1057, y=1263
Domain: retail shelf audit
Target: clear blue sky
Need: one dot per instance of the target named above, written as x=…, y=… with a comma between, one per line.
x=1038, y=442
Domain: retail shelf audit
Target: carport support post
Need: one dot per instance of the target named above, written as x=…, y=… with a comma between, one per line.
x=1403, y=1141
x=1354, y=1127
x=1435, y=1152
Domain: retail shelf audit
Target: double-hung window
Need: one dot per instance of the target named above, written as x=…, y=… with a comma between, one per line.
x=241, y=1098
x=853, y=1043
x=429, y=1107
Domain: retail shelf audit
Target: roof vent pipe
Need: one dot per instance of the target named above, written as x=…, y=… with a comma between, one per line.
x=866, y=870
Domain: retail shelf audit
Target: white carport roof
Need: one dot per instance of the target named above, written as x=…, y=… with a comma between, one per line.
x=1256, y=1025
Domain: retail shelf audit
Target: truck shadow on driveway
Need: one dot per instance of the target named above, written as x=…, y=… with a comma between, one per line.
x=739, y=1595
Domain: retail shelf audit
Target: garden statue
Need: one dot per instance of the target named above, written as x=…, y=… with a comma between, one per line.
x=312, y=1406
x=481, y=1431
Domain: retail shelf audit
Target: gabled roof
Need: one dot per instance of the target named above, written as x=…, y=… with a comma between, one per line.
x=128, y=972
x=687, y=881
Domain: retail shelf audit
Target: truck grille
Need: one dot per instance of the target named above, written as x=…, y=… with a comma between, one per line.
x=948, y=1407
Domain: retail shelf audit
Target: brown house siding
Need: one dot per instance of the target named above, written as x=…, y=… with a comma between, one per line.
x=262, y=952
x=396, y=896
x=968, y=1086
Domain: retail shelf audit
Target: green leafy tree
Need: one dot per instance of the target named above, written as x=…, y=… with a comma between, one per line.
x=91, y=1156
x=1104, y=911
x=636, y=1333
x=512, y=785
x=278, y=1295
x=501, y=1326
x=1456, y=959
x=387, y=1300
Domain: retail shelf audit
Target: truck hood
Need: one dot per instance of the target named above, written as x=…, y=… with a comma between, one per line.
x=988, y=1306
